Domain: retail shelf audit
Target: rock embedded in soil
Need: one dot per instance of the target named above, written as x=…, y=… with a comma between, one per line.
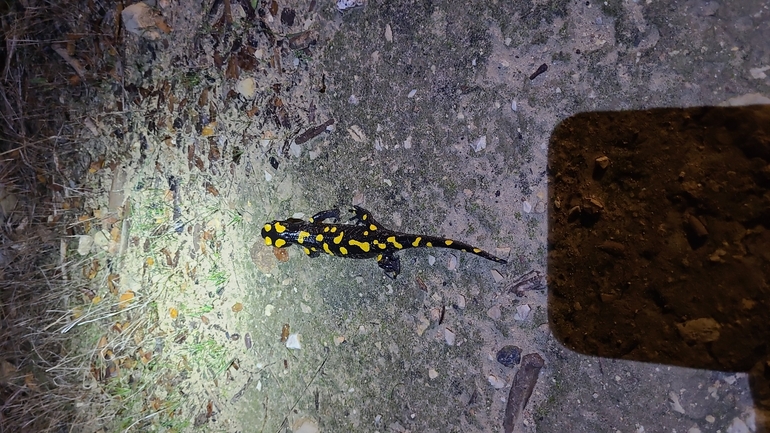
x=509, y=355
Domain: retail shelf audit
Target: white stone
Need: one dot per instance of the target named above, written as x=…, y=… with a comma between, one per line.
x=479, y=144
x=293, y=342
x=247, y=87
x=496, y=382
x=449, y=337
x=85, y=243
x=522, y=312
x=673, y=401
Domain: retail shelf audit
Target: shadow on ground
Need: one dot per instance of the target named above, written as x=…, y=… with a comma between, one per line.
x=659, y=238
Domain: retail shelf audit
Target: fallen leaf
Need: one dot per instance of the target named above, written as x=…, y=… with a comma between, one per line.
x=205, y=320
x=125, y=299
x=112, y=281
x=159, y=23
x=237, y=307
x=96, y=300
x=29, y=381
x=102, y=342
x=208, y=130
x=173, y=312
x=211, y=189
x=96, y=165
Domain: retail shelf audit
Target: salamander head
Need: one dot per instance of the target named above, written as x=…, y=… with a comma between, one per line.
x=281, y=233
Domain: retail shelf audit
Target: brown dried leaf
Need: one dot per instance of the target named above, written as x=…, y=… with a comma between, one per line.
x=211, y=189
x=161, y=24
x=233, y=71
x=112, y=283
x=285, y=330
x=96, y=165
x=237, y=307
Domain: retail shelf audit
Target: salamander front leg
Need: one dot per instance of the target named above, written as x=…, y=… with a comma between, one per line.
x=333, y=214
x=362, y=216
x=391, y=264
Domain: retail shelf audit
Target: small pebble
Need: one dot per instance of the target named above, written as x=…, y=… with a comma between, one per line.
x=432, y=373
x=412, y=93
x=431, y=260
x=452, y=262
x=497, y=276
x=293, y=342
x=514, y=107
x=522, y=311
x=496, y=382
x=479, y=144
x=509, y=356
x=247, y=340
x=526, y=207
x=449, y=337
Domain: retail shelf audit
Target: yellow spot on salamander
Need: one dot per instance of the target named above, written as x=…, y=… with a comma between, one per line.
x=363, y=245
x=268, y=241
x=429, y=244
x=311, y=220
x=448, y=242
x=416, y=242
x=476, y=250
x=279, y=243
x=328, y=251
x=302, y=236
x=319, y=238
x=307, y=251
x=326, y=229
x=364, y=217
x=338, y=239
x=366, y=233
x=392, y=240
x=343, y=250
x=379, y=257
x=334, y=229
x=280, y=228
x=268, y=227
x=372, y=227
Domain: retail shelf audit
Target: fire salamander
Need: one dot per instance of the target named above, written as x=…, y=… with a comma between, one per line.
x=362, y=240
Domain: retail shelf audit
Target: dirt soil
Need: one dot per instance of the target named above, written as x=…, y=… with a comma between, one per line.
x=437, y=117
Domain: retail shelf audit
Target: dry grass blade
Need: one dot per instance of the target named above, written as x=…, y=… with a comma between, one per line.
x=41, y=370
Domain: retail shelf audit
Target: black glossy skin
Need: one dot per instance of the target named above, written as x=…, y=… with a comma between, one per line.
x=362, y=240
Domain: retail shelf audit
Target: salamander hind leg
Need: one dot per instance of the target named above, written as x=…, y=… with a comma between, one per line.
x=333, y=214
x=391, y=264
